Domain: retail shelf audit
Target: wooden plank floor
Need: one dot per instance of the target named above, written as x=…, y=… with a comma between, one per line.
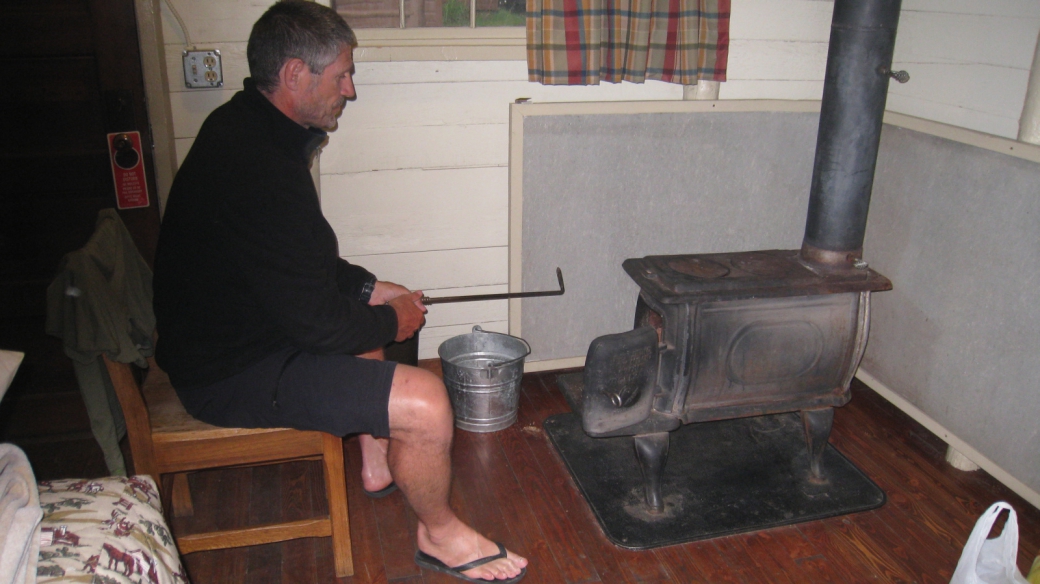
x=512, y=486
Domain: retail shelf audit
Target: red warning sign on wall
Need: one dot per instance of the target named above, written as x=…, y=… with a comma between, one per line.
x=124, y=151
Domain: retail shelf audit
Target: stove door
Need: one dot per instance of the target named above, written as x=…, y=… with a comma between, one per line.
x=620, y=377
x=770, y=355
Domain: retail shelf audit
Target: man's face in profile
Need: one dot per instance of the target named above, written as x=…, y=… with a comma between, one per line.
x=326, y=94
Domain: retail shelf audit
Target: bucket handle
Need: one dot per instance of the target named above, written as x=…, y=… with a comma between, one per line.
x=492, y=366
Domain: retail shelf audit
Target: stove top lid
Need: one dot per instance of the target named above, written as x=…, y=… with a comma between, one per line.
x=746, y=274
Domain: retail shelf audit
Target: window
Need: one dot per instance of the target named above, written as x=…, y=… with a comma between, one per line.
x=362, y=14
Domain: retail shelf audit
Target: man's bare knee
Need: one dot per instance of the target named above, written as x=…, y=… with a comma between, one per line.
x=419, y=404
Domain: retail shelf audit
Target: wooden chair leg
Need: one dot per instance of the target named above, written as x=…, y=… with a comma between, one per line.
x=336, y=493
x=180, y=497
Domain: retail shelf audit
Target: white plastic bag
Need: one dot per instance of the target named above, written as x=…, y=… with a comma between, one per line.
x=991, y=561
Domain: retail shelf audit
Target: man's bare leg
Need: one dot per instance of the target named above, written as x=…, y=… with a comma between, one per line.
x=375, y=473
x=421, y=431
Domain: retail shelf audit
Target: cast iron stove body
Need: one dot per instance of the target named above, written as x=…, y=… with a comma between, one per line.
x=730, y=335
x=752, y=333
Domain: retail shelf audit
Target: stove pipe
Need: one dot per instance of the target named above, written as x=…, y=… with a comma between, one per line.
x=859, y=61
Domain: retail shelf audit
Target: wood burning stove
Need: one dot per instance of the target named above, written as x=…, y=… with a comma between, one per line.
x=730, y=335
x=720, y=336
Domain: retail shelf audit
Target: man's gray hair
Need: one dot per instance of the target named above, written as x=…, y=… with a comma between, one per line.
x=298, y=29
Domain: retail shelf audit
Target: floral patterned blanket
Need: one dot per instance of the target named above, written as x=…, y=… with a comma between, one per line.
x=105, y=531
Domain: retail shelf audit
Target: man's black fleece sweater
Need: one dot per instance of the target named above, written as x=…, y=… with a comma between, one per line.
x=246, y=263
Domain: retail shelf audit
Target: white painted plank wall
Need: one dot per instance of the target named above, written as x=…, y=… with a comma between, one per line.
x=778, y=49
x=415, y=183
x=968, y=60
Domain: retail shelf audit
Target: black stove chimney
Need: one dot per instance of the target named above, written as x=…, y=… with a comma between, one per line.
x=859, y=61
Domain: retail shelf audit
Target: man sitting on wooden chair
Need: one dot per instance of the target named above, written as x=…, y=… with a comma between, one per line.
x=262, y=324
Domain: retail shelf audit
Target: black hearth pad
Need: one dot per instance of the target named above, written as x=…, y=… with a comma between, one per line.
x=721, y=478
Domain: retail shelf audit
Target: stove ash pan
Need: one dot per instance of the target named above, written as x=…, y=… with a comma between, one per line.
x=722, y=336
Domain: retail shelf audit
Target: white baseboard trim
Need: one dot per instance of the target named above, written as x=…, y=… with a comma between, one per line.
x=961, y=446
x=551, y=364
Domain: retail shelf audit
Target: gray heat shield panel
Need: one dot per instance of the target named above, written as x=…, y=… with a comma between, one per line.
x=957, y=229
x=598, y=189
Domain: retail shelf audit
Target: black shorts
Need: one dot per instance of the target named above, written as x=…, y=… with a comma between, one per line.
x=338, y=394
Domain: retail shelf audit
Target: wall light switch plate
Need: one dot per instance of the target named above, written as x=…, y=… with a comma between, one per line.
x=202, y=69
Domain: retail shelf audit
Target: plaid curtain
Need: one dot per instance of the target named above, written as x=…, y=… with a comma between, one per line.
x=581, y=42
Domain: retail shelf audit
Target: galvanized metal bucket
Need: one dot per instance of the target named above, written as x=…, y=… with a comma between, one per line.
x=482, y=370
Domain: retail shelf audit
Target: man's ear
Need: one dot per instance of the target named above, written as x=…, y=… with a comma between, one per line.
x=292, y=73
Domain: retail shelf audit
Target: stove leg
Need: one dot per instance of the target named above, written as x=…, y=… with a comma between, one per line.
x=817, y=425
x=652, y=453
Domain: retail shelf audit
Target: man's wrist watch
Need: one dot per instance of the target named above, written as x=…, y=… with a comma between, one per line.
x=367, y=289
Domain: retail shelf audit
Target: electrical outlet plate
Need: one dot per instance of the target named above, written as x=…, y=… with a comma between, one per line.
x=202, y=69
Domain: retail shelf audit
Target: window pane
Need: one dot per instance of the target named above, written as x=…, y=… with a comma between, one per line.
x=417, y=13
x=370, y=13
x=423, y=13
x=455, y=12
x=501, y=12
x=430, y=13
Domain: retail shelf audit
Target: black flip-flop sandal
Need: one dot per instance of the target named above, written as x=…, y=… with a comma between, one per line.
x=381, y=492
x=424, y=560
